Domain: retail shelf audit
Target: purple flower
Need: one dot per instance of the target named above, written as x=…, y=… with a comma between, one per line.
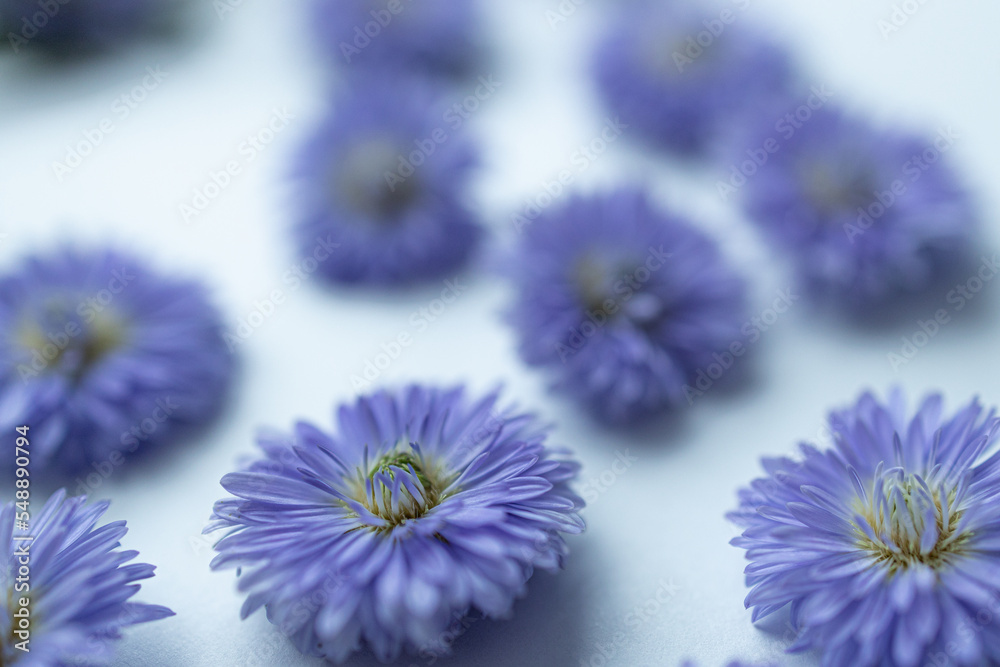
x=867, y=215
x=423, y=507
x=384, y=177
x=73, y=25
x=433, y=35
x=886, y=547
x=77, y=588
x=682, y=76
x=734, y=663
x=98, y=354
x=624, y=304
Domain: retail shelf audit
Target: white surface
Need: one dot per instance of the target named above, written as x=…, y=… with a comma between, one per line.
x=662, y=520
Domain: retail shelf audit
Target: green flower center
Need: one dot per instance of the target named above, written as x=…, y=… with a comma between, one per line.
x=910, y=523
x=400, y=486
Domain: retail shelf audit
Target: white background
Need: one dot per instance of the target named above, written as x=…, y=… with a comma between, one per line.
x=661, y=522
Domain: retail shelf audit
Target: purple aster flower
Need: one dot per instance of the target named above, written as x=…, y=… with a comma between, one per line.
x=425, y=506
x=623, y=303
x=868, y=215
x=734, y=663
x=98, y=354
x=77, y=589
x=433, y=35
x=62, y=25
x=682, y=76
x=384, y=177
x=887, y=546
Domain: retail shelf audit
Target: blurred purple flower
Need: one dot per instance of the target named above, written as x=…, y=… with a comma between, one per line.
x=385, y=177
x=623, y=303
x=424, y=507
x=867, y=215
x=432, y=35
x=886, y=547
x=78, y=587
x=99, y=354
x=682, y=76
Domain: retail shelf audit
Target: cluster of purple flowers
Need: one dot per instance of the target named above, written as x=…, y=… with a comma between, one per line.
x=427, y=504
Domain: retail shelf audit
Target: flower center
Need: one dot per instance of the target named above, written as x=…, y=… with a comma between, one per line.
x=609, y=290
x=906, y=522
x=671, y=57
x=61, y=342
x=369, y=180
x=836, y=189
x=400, y=486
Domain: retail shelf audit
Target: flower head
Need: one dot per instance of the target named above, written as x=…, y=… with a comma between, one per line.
x=99, y=354
x=433, y=35
x=886, y=546
x=385, y=181
x=867, y=215
x=78, y=24
x=77, y=589
x=624, y=303
x=734, y=663
x=681, y=76
x=423, y=507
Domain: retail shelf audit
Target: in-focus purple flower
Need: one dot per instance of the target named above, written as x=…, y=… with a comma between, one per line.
x=682, y=76
x=384, y=177
x=70, y=26
x=100, y=354
x=77, y=590
x=431, y=35
x=867, y=215
x=886, y=547
x=425, y=506
x=623, y=303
